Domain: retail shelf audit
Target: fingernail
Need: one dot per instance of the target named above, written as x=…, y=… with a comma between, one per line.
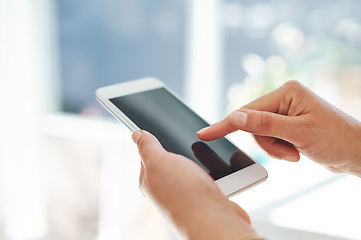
x=136, y=135
x=202, y=130
x=291, y=158
x=239, y=118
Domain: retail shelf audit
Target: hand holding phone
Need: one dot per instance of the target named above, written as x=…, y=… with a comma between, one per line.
x=147, y=104
x=186, y=195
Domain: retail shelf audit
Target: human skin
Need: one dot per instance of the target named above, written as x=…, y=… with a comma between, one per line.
x=286, y=122
x=186, y=195
x=293, y=120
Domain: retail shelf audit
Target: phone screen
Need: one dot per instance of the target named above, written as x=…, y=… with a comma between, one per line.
x=175, y=125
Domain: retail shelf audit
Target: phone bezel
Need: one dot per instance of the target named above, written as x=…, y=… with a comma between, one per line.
x=229, y=184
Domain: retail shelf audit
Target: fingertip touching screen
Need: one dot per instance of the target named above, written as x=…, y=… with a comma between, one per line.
x=175, y=125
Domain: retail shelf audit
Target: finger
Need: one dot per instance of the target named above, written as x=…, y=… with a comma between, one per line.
x=278, y=101
x=278, y=148
x=256, y=122
x=149, y=147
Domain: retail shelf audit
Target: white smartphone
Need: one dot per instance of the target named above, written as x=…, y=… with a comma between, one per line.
x=148, y=104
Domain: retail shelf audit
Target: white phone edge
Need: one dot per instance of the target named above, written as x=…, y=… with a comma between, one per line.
x=229, y=185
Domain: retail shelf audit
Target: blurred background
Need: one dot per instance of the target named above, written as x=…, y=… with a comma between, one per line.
x=68, y=170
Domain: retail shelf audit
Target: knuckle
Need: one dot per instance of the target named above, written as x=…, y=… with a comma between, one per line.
x=293, y=83
x=229, y=126
x=266, y=122
x=141, y=143
x=294, y=90
x=294, y=86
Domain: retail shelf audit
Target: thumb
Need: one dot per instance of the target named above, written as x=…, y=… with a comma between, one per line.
x=240, y=211
x=257, y=122
x=148, y=146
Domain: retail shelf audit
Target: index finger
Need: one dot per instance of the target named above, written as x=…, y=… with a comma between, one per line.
x=264, y=116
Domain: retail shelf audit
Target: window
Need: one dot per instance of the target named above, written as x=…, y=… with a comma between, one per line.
x=107, y=42
x=269, y=42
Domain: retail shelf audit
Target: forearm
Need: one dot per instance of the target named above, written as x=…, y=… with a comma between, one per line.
x=340, y=148
x=212, y=223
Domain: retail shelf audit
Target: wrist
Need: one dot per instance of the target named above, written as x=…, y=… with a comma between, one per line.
x=253, y=236
x=355, y=167
x=213, y=222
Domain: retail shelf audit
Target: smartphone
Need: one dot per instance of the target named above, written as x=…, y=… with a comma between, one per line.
x=149, y=105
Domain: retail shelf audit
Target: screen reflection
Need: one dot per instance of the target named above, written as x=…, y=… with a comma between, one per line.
x=175, y=126
x=216, y=166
